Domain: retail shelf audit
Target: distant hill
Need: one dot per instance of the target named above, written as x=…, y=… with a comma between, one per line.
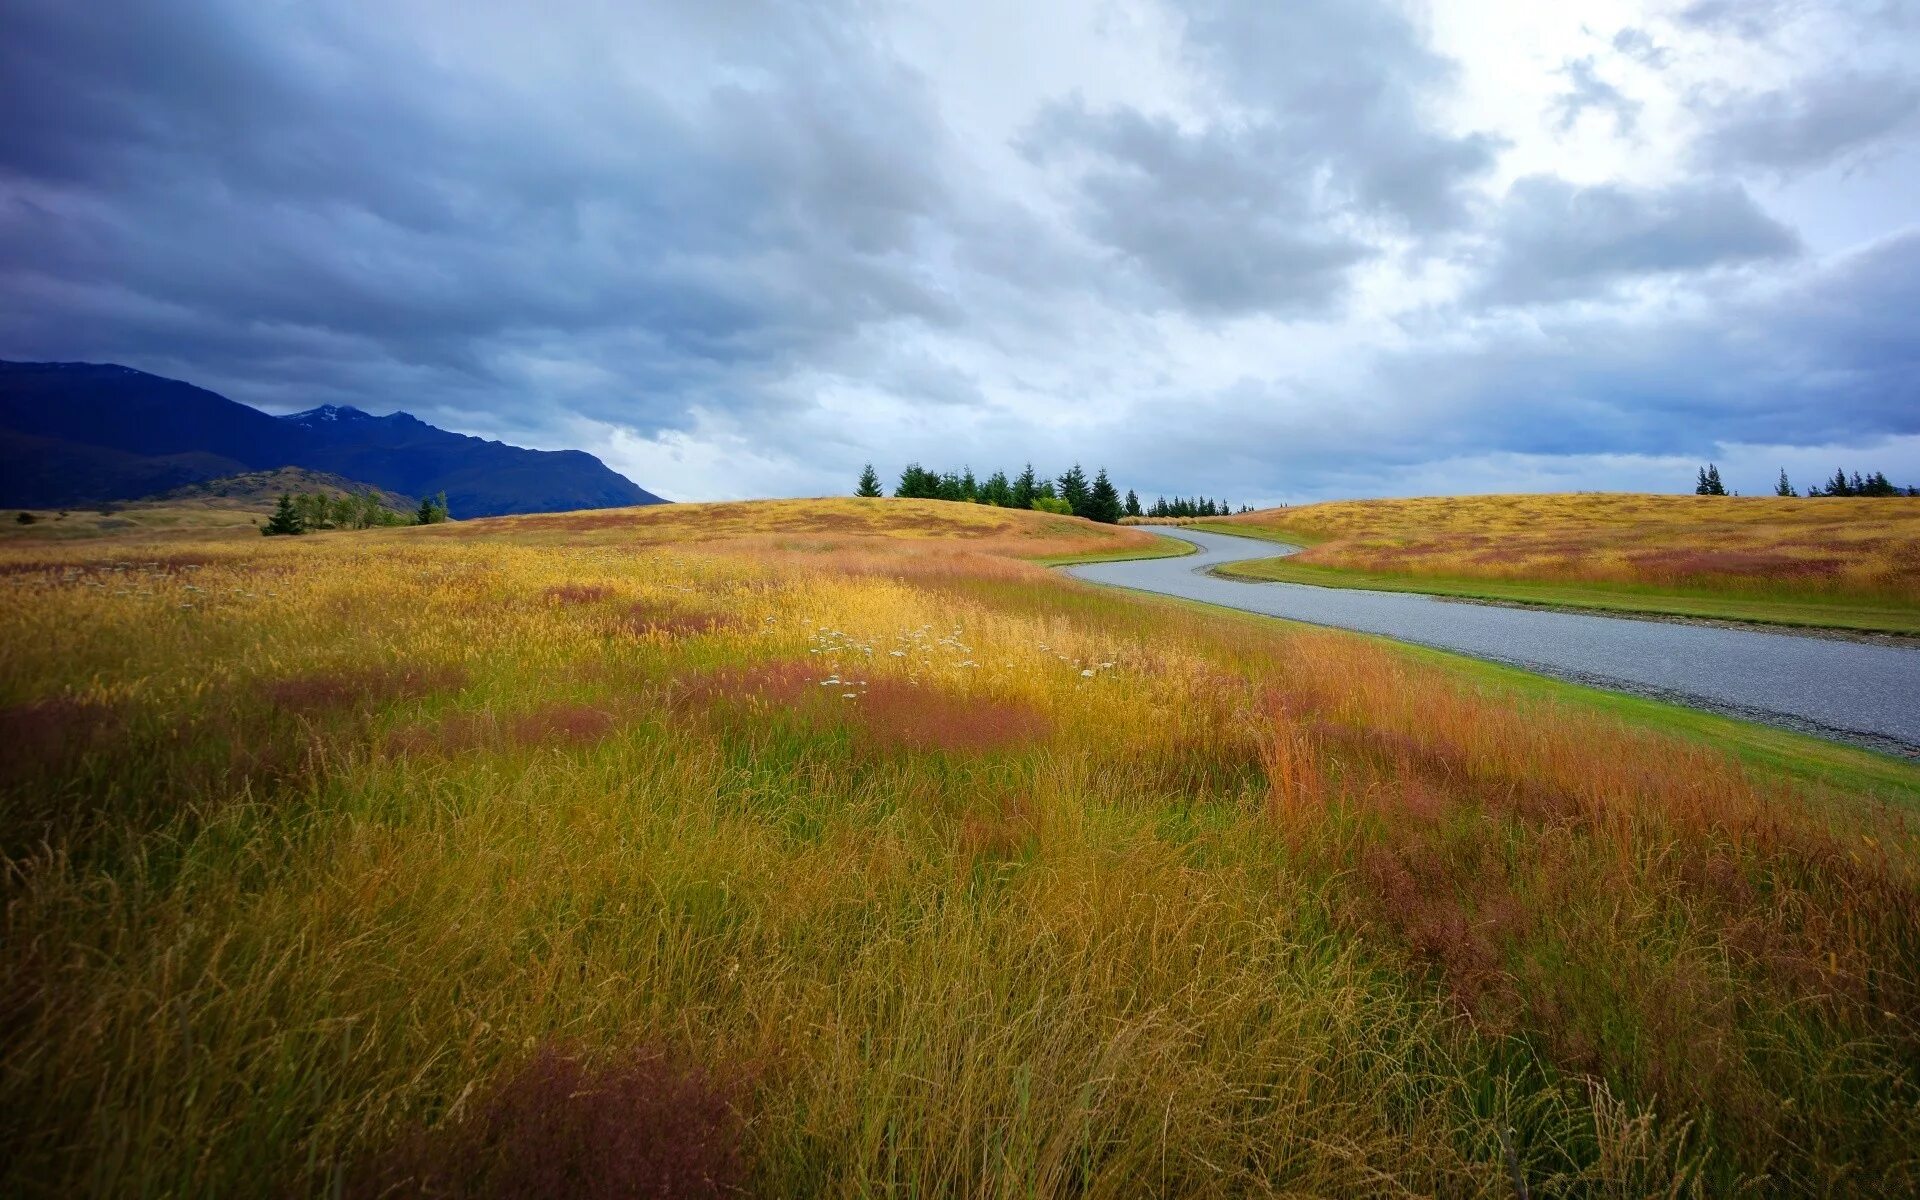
x=82, y=433
x=260, y=489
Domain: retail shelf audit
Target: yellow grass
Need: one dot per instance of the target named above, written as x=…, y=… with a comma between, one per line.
x=974, y=880
x=1828, y=561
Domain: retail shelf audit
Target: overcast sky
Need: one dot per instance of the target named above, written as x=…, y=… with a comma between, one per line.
x=1274, y=250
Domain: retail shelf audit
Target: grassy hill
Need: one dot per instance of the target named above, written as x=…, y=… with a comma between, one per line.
x=1835, y=563
x=258, y=490
x=839, y=848
x=231, y=506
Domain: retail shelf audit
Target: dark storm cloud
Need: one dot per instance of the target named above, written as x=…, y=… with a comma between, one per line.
x=1829, y=360
x=1323, y=136
x=1348, y=83
x=226, y=184
x=1557, y=241
x=1224, y=220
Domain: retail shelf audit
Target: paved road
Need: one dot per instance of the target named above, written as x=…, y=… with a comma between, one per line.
x=1852, y=691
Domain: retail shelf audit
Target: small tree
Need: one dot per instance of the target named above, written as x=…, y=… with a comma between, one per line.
x=285, y=519
x=1784, y=488
x=1709, y=482
x=1133, y=503
x=432, y=511
x=1052, y=504
x=869, y=483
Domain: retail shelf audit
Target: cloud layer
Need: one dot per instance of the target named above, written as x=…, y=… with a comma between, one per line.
x=1271, y=251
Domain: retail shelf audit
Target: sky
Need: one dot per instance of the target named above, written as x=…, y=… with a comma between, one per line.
x=1263, y=250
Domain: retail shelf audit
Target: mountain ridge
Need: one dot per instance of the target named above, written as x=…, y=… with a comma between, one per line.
x=81, y=433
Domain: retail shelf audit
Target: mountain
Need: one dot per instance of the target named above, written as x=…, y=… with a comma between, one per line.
x=78, y=433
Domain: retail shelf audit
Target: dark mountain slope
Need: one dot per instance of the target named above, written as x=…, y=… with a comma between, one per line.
x=42, y=472
x=75, y=433
x=480, y=477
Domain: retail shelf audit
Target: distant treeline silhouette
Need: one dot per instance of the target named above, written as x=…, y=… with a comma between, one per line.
x=1707, y=483
x=1072, y=493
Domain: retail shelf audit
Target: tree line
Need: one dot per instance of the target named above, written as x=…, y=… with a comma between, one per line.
x=1072, y=493
x=304, y=512
x=1707, y=483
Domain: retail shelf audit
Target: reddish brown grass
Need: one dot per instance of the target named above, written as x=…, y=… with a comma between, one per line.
x=552, y=725
x=650, y=1123
x=577, y=593
x=51, y=736
x=652, y=621
x=360, y=687
x=897, y=715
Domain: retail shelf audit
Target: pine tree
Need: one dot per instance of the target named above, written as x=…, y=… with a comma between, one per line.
x=1784, y=488
x=1838, y=485
x=969, y=486
x=918, y=483
x=285, y=519
x=1025, y=488
x=1133, y=503
x=869, y=483
x=1073, y=489
x=1713, y=484
x=433, y=510
x=1103, y=502
x=1700, y=483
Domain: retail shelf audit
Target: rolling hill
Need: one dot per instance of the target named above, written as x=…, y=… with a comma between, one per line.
x=83, y=433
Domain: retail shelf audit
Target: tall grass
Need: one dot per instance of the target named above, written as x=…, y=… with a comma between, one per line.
x=1757, y=547
x=872, y=862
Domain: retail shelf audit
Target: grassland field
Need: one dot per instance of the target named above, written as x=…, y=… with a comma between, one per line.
x=841, y=848
x=1851, y=564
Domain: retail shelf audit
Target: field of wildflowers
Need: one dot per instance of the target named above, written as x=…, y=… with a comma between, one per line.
x=1852, y=564
x=838, y=848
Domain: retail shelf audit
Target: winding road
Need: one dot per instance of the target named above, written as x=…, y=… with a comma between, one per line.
x=1851, y=691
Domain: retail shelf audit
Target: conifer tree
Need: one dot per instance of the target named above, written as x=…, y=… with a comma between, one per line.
x=997, y=491
x=1074, y=490
x=1103, y=502
x=1784, y=488
x=285, y=519
x=1025, y=488
x=1133, y=503
x=918, y=483
x=869, y=483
